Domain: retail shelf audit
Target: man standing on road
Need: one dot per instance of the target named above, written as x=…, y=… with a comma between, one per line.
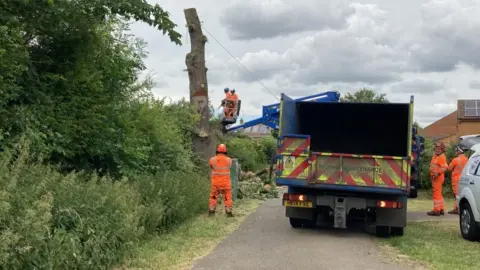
x=438, y=166
x=456, y=167
x=220, y=165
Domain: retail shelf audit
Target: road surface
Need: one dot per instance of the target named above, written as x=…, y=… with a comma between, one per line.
x=266, y=241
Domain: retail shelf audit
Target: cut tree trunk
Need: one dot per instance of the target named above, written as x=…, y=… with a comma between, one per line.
x=203, y=142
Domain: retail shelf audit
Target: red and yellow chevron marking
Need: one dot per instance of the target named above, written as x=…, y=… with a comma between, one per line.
x=294, y=146
x=294, y=166
x=360, y=170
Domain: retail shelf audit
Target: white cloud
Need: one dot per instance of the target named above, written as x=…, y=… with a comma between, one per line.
x=424, y=48
x=265, y=19
x=448, y=35
x=474, y=84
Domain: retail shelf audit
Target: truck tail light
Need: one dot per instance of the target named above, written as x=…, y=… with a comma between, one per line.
x=294, y=197
x=389, y=204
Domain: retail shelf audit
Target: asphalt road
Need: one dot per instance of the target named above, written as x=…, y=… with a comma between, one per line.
x=266, y=241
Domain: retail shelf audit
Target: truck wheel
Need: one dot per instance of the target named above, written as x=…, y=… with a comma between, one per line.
x=296, y=222
x=397, y=231
x=468, y=227
x=413, y=193
x=382, y=231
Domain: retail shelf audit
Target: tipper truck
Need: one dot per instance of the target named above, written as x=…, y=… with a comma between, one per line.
x=345, y=162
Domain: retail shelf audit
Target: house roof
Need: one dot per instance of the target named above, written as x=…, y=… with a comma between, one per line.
x=442, y=128
x=447, y=126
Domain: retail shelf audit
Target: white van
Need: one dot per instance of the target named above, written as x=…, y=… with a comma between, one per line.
x=468, y=197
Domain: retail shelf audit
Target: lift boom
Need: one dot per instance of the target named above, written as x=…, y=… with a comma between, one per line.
x=271, y=113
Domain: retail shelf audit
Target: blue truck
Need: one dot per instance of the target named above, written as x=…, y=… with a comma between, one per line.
x=344, y=162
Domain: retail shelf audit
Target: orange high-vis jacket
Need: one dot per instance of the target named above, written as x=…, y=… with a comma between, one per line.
x=234, y=97
x=220, y=165
x=437, y=164
x=457, y=165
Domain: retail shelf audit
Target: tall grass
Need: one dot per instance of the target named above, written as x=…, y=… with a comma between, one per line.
x=81, y=221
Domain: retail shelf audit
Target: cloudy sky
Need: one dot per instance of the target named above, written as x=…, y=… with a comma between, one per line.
x=426, y=48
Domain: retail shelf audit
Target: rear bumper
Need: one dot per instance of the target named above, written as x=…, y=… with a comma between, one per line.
x=305, y=184
x=342, y=207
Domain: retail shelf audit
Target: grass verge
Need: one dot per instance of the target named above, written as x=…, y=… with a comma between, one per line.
x=424, y=201
x=438, y=244
x=191, y=240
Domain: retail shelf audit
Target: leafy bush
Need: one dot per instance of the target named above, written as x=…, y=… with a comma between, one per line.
x=171, y=198
x=51, y=221
x=81, y=221
x=251, y=154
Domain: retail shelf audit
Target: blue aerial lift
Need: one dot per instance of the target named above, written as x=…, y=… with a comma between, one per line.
x=271, y=115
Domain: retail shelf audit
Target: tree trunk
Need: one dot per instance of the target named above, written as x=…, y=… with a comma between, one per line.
x=203, y=143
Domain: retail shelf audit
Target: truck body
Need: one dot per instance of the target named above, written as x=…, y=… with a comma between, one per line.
x=345, y=161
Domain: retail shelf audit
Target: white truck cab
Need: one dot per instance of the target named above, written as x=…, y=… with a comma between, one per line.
x=468, y=197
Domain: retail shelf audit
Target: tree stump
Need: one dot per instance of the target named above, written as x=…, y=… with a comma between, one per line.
x=203, y=143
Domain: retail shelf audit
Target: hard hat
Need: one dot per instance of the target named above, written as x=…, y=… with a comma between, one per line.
x=233, y=91
x=222, y=148
x=226, y=89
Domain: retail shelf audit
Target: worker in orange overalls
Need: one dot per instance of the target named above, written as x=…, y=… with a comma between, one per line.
x=220, y=165
x=438, y=166
x=226, y=90
x=234, y=96
x=230, y=104
x=456, y=167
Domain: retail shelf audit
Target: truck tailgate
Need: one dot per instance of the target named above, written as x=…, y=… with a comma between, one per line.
x=359, y=170
x=295, y=162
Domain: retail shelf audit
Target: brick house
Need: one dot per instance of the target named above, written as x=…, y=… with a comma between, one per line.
x=464, y=121
x=258, y=131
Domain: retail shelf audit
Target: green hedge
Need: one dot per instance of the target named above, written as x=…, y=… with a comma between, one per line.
x=81, y=221
x=252, y=154
x=146, y=183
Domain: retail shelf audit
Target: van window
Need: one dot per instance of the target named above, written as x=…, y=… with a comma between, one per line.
x=472, y=170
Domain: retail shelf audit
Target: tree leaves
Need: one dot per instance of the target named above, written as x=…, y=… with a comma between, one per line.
x=365, y=95
x=69, y=80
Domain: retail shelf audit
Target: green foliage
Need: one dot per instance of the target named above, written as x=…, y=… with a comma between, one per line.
x=364, y=95
x=171, y=198
x=268, y=146
x=68, y=70
x=81, y=221
x=251, y=154
x=106, y=164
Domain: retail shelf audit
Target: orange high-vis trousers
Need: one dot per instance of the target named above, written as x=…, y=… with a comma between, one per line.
x=226, y=193
x=438, y=202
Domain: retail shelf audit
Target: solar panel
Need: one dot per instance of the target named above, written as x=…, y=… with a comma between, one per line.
x=471, y=112
x=472, y=108
x=471, y=103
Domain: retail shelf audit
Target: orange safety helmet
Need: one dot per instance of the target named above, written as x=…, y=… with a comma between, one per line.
x=222, y=148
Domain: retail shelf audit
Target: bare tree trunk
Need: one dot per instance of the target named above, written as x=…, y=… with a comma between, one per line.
x=203, y=143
